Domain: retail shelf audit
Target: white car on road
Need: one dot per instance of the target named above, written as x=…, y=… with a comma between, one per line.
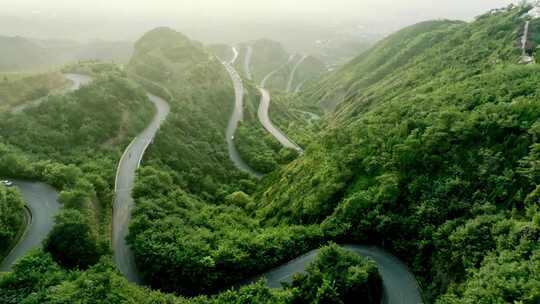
x=7, y=183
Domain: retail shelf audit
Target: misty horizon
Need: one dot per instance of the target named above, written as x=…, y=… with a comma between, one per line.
x=223, y=22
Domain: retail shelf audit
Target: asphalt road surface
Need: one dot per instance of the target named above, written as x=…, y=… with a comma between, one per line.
x=264, y=105
x=125, y=178
x=236, y=117
x=400, y=286
x=235, y=56
x=293, y=71
x=77, y=80
x=42, y=202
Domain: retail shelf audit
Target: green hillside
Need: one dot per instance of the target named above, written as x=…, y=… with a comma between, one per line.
x=192, y=141
x=431, y=153
x=430, y=149
x=73, y=143
x=15, y=90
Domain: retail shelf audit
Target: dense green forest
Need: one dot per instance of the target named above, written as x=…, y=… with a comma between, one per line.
x=15, y=89
x=337, y=276
x=51, y=142
x=38, y=279
x=188, y=169
x=12, y=219
x=191, y=143
x=432, y=153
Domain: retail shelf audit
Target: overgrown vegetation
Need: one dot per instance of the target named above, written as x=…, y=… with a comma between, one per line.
x=12, y=219
x=220, y=244
x=337, y=276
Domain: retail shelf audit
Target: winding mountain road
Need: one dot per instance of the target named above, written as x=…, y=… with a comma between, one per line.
x=264, y=118
x=293, y=72
x=262, y=113
x=41, y=200
x=400, y=286
x=42, y=203
x=235, y=56
x=125, y=179
x=236, y=117
x=77, y=80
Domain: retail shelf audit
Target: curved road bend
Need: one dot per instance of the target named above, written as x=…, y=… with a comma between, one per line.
x=262, y=113
x=125, y=178
x=236, y=117
x=247, y=62
x=235, y=56
x=42, y=202
x=77, y=80
x=293, y=71
x=400, y=286
x=269, y=126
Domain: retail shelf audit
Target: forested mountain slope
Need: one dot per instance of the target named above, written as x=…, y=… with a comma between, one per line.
x=432, y=153
x=192, y=141
x=73, y=143
x=188, y=170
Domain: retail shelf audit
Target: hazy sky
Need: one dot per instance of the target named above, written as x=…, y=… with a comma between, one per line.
x=127, y=17
x=202, y=8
